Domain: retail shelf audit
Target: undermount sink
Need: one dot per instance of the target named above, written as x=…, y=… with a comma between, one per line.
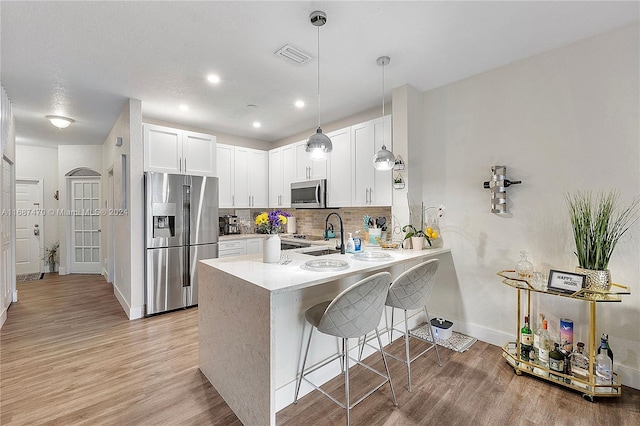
x=325, y=265
x=322, y=252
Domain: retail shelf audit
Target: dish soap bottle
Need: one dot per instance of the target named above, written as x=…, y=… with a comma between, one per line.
x=351, y=245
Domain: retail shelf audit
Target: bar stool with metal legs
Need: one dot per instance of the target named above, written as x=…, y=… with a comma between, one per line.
x=352, y=314
x=410, y=291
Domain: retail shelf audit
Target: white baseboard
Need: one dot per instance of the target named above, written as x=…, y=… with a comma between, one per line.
x=132, y=313
x=62, y=270
x=3, y=317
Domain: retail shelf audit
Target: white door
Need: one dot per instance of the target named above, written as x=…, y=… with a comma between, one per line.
x=162, y=149
x=111, y=252
x=225, y=170
x=7, y=277
x=288, y=172
x=259, y=178
x=339, y=184
x=29, y=231
x=241, y=188
x=275, y=178
x=85, y=225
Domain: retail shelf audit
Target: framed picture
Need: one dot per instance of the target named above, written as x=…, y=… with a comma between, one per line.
x=565, y=282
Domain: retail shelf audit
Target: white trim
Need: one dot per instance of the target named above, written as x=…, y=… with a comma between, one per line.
x=40, y=185
x=132, y=313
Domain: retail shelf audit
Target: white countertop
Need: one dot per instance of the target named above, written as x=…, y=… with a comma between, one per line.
x=278, y=278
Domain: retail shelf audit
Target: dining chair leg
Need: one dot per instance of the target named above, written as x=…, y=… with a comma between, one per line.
x=391, y=330
x=361, y=346
x=345, y=354
x=386, y=367
x=342, y=359
x=406, y=348
x=433, y=335
x=304, y=363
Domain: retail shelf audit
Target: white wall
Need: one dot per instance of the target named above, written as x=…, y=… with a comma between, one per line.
x=561, y=121
x=42, y=163
x=128, y=232
x=71, y=157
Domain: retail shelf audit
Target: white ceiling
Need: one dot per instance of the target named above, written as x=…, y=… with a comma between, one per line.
x=84, y=59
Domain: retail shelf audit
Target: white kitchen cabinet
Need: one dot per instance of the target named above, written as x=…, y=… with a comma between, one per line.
x=232, y=248
x=225, y=161
x=371, y=187
x=307, y=169
x=254, y=245
x=281, y=173
x=339, y=169
x=176, y=151
x=276, y=183
x=251, y=178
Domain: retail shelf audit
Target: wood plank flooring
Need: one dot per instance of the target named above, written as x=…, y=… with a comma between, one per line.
x=69, y=356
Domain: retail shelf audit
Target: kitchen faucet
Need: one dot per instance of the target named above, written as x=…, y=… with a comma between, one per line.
x=326, y=229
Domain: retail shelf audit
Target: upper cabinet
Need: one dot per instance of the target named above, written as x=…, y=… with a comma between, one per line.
x=225, y=165
x=243, y=177
x=307, y=169
x=339, y=169
x=371, y=187
x=282, y=172
x=176, y=151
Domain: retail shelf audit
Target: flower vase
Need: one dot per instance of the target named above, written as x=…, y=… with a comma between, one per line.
x=417, y=243
x=433, y=231
x=271, y=249
x=595, y=279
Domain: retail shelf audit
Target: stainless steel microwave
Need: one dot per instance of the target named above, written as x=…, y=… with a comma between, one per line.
x=310, y=194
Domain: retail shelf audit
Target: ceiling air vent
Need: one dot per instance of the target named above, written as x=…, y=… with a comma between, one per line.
x=293, y=54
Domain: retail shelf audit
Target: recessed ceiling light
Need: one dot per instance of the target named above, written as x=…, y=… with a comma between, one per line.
x=213, y=78
x=59, y=121
x=184, y=107
x=257, y=124
x=299, y=104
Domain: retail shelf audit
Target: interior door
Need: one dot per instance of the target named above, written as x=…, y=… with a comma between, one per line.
x=85, y=225
x=7, y=277
x=29, y=230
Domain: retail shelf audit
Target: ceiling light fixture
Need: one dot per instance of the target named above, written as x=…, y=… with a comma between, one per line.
x=184, y=107
x=257, y=124
x=319, y=144
x=384, y=159
x=59, y=121
x=299, y=104
x=212, y=78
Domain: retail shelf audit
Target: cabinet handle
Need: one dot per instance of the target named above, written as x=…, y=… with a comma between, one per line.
x=370, y=195
x=233, y=200
x=185, y=165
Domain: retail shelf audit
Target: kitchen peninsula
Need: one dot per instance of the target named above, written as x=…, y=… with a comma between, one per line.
x=251, y=323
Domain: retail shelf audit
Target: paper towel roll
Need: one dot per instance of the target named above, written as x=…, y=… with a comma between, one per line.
x=291, y=225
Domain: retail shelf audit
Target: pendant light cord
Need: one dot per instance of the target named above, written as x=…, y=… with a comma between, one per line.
x=318, y=76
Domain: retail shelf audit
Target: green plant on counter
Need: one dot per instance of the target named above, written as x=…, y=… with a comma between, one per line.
x=597, y=227
x=411, y=231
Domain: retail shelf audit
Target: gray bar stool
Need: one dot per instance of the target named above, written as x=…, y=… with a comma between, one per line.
x=354, y=312
x=410, y=291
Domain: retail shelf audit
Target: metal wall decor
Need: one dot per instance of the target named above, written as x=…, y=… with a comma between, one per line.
x=498, y=186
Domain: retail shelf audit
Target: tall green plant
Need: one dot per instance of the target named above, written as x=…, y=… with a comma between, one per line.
x=597, y=227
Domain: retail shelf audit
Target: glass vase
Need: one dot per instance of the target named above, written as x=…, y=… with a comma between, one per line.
x=432, y=229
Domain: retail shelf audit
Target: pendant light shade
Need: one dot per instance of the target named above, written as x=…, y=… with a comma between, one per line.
x=384, y=159
x=319, y=144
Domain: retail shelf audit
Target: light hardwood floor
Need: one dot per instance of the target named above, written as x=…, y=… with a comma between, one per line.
x=69, y=356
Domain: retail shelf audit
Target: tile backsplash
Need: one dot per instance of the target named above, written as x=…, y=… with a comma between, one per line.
x=311, y=221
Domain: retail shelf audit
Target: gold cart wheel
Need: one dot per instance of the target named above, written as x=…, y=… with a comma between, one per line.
x=517, y=372
x=588, y=397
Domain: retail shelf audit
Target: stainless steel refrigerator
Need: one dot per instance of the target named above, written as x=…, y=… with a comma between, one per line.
x=181, y=227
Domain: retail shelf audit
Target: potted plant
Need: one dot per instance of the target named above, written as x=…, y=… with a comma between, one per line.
x=51, y=255
x=597, y=227
x=417, y=236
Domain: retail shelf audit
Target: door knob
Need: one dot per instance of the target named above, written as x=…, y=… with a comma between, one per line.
x=36, y=230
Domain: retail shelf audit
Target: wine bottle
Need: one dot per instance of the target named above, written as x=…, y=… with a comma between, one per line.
x=505, y=183
x=604, y=340
x=604, y=365
x=556, y=361
x=526, y=340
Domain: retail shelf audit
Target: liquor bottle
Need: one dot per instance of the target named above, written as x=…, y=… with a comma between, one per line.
x=604, y=365
x=524, y=268
x=556, y=361
x=540, y=341
x=580, y=363
x=604, y=340
x=526, y=340
x=566, y=363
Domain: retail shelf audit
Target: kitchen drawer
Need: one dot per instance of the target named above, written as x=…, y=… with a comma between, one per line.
x=232, y=245
x=234, y=252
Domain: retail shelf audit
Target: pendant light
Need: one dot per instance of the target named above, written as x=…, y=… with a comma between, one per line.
x=319, y=144
x=384, y=159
